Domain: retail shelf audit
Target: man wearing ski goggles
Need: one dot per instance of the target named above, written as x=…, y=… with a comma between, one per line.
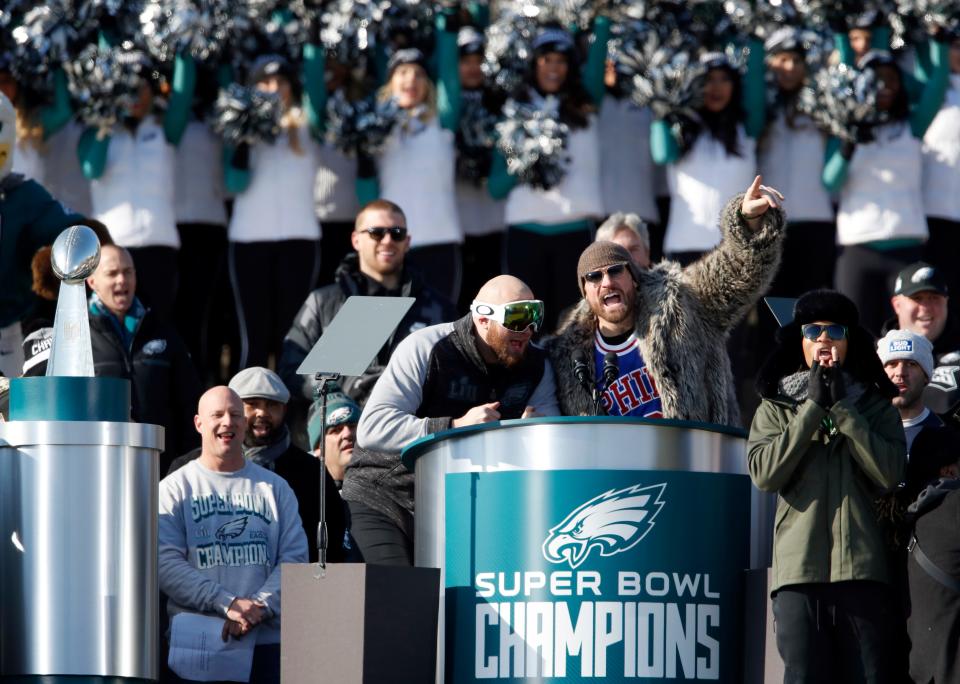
x=479, y=369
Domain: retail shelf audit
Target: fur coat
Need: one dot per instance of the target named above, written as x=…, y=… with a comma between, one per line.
x=683, y=318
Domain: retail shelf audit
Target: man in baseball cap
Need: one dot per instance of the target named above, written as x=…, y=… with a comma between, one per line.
x=920, y=304
x=339, y=430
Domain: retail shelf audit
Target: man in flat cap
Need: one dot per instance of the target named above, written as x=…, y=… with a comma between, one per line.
x=667, y=326
x=267, y=443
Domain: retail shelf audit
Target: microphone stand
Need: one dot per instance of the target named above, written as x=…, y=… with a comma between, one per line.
x=322, y=543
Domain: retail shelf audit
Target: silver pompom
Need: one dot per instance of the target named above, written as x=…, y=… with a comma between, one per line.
x=843, y=102
x=243, y=115
x=105, y=83
x=534, y=143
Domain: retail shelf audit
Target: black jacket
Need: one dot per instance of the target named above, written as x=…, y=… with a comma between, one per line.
x=302, y=472
x=322, y=306
x=934, y=622
x=164, y=384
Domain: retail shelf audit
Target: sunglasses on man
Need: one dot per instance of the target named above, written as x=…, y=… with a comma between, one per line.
x=515, y=316
x=613, y=271
x=398, y=233
x=835, y=331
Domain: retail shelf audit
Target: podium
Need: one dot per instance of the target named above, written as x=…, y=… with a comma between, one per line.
x=78, y=520
x=589, y=548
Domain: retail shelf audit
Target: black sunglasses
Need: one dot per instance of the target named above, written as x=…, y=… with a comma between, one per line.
x=835, y=331
x=398, y=233
x=597, y=276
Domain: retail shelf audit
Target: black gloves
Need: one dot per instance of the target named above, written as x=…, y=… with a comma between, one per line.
x=825, y=386
x=838, y=388
x=818, y=387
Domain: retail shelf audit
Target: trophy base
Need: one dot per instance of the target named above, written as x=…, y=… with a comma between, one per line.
x=70, y=398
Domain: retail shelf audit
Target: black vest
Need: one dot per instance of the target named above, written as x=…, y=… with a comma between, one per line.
x=458, y=378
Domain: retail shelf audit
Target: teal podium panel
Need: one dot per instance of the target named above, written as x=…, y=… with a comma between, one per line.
x=586, y=549
x=586, y=574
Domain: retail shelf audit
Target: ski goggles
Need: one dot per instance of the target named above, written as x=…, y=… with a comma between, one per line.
x=835, y=331
x=515, y=316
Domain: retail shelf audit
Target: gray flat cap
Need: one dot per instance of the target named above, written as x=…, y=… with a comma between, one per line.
x=259, y=383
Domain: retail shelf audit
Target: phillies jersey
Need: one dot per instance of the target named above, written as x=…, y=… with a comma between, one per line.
x=634, y=392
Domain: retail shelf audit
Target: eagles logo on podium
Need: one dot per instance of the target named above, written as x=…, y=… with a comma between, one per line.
x=612, y=522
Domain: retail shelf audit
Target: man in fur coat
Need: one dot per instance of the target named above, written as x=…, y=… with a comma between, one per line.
x=668, y=325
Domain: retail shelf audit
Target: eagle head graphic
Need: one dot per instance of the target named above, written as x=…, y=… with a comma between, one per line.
x=612, y=522
x=232, y=529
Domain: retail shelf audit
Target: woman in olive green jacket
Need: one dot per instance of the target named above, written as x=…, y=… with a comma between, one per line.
x=827, y=439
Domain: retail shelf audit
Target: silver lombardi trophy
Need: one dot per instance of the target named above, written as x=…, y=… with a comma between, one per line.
x=75, y=255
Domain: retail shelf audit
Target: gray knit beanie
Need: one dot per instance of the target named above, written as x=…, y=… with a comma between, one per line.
x=600, y=255
x=904, y=344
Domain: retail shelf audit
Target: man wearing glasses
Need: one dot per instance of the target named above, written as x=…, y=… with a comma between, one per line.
x=666, y=326
x=827, y=439
x=376, y=268
x=479, y=369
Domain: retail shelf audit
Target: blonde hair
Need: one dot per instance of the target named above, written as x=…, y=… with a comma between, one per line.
x=430, y=111
x=29, y=130
x=291, y=121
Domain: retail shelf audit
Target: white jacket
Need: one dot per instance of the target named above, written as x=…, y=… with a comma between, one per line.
x=882, y=198
x=941, y=158
x=278, y=203
x=416, y=171
x=701, y=183
x=577, y=197
x=791, y=160
x=134, y=197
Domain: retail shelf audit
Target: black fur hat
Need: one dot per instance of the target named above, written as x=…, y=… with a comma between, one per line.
x=861, y=360
x=825, y=305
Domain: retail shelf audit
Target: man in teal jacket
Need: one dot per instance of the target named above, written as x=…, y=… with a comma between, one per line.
x=29, y=219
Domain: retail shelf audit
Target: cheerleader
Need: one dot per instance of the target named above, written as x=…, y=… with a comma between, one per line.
x=941, y=179
x=791, y=153
x=416, y=167
x=131, y=168
x=547, y=229
x=881, y=226
x=712, y=158
x=274, y=235
x=481, y=216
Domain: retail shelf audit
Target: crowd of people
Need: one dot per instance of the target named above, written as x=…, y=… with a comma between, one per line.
x=632, y=188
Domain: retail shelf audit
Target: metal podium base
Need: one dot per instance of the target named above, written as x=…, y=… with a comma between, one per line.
x=78, y=504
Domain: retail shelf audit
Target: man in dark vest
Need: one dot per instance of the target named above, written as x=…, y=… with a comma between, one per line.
x=479, y=369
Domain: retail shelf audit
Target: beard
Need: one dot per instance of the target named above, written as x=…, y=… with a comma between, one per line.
x=499, y=341
x=265, y=439
x=625, y=313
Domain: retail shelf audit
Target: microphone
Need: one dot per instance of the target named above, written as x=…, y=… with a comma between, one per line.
x=581, y=369
x=611, y=370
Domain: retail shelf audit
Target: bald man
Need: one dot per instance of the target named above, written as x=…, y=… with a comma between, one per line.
x=479, y=369
x=226, y=524
x=130, y=342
